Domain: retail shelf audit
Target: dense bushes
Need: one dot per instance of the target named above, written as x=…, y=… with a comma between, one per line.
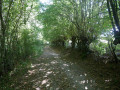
x=82, y=22
x=17, y=41
x=26, y=45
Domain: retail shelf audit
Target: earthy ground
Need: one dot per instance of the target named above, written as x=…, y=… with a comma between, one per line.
x=53, y=72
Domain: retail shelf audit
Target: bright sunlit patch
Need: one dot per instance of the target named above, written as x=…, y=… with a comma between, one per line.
x=76, y=81
x=81, y=75
x=45, y=76
x=86, y=87
x=26, y=76
x=46, y=2
x=104, y=41
x=70, y=41
x=32, y=66
x=44, y=81
x=31, y=72
x=82, y=82
x=107, y=80
x=68, y=70
x=46, y=64
x=85, y=74
x=41, y=69
x=54, y=54
x=53, y=62
x=48, y=73
x=47, y=85
x=65, y=65
x=40, y=36
x=55, y=57
x=37, y=88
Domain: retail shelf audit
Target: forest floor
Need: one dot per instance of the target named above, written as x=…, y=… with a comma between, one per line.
x=55, y=70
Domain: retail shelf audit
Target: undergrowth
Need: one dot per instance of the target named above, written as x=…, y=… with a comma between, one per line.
x=20, y=69
x=107, y=75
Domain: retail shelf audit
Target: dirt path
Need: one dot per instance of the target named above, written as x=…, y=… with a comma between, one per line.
x=51, y=72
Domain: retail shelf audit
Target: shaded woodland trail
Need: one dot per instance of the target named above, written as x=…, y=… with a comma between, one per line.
x=51, y=72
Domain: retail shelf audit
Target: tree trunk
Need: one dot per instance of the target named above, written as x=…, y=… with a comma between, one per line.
x=112, y=50
x=2, y=37
x=114, y=17
x=73, y=42
x=63, y=43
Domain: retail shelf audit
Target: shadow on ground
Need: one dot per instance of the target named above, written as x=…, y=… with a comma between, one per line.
x=51, y=72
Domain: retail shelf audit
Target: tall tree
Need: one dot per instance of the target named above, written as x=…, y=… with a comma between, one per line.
x=14, y=15
x=114, y=14
x=86, y=18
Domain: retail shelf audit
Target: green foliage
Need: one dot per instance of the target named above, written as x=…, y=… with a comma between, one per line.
x=99, y=46
x=85, y=20
x=20, y=69
x=17, y=40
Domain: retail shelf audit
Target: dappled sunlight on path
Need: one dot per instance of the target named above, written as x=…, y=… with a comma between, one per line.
x=51, y=72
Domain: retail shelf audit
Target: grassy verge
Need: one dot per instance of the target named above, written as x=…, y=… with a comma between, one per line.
x=7, y=81
x=106, y=75
x=20, y=69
